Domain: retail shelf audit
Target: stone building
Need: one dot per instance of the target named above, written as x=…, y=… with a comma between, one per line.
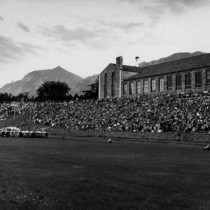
x=185, y=75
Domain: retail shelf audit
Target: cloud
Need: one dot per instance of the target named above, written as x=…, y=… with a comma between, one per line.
x=157, y=8
x=173, y=6
x=78, y=37
x=1, y=18
x=60, y=32
x=30, y=48
x=122, y=25
x=11, y=50
x=131, y=25
x=98, y=35
x=23, y=26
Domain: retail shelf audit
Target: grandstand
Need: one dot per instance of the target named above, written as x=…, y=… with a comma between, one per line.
x=156, y=114
x=18, y=116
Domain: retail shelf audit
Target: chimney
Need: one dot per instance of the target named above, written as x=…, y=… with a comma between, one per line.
x=137, y=61
x=119, y=62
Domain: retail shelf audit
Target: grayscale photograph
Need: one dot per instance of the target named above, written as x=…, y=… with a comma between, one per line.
x=104, y=104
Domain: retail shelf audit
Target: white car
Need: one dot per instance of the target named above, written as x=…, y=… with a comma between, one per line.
x=10, y=131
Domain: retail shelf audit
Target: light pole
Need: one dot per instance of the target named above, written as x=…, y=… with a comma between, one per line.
x=14, y=117
x=30, y=118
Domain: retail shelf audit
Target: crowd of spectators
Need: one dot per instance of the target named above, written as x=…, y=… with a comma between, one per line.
x=146, y=114
x=7, y=109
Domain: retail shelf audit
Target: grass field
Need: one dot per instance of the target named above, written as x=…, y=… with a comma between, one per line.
x=88, y=173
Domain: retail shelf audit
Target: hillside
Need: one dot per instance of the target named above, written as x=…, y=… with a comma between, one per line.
x=172, y=57
x=34, y=79
x=83, y=84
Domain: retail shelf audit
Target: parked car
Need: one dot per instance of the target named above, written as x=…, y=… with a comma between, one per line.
x=16, y=132
x=10, y=131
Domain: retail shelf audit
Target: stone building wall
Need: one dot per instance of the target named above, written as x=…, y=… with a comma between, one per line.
x=117, y=69
x=109, y=70
x=193, y=88
x=121, y=76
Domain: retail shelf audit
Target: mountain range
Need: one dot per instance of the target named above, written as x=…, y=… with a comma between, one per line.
x=31, y=81
x=172, y=57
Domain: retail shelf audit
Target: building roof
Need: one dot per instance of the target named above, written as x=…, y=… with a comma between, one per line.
x=110, y=66
x=130, y=68
x=184, y=64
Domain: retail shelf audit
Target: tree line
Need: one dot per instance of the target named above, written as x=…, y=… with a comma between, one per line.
x=55, y=91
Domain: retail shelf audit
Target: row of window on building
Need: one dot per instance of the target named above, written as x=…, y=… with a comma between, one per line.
x=135, y=88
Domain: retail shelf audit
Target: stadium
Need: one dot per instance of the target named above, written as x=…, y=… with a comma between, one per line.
x=104, y=105
x=145, y=167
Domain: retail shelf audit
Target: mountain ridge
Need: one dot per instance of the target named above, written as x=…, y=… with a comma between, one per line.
x=31, y=81
x=175, y=56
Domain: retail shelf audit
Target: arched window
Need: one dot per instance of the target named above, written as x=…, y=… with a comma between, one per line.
x=105, y=85
x=113, y=84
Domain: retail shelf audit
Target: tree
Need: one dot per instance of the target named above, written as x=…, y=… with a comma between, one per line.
x=24, y=96
x=93, y=92
x=7, y=97
x=51, y=90
x=76, y=96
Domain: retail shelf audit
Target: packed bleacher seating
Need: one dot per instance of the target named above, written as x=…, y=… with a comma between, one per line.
x=147, y=114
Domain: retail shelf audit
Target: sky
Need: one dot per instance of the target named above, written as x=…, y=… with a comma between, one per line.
x=84, y=36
